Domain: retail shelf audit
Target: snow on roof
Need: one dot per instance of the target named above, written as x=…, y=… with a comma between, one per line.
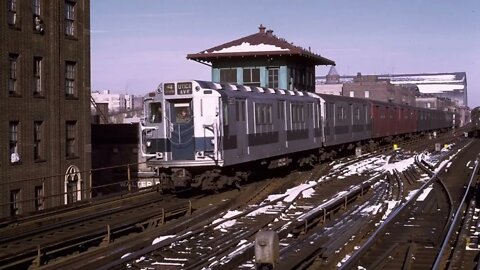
x=247, y=47
x=426, y=78
x=438, y=88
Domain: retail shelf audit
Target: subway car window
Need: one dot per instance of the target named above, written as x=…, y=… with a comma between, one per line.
x=156, y=112
x=182, y=113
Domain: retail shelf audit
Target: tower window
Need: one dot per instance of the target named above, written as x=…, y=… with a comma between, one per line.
x=251, y=76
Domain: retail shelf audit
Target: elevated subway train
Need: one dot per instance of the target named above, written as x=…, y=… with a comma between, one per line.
x=206, y=135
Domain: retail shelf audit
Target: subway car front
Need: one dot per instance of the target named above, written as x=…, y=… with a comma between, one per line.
x=180, y=132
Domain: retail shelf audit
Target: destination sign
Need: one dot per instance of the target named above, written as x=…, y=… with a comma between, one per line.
x=184, y=88
x=169, y=88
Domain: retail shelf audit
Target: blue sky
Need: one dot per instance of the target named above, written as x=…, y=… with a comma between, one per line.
x=138, y=44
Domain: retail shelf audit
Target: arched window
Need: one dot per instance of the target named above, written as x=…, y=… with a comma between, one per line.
x=73, y=185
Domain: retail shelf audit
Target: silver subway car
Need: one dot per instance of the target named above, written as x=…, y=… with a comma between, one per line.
x=208, y=135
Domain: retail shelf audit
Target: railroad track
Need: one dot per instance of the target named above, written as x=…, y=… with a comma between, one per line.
x=107, y=243
x=104, y=255
x=211, y=238
x=413, y=236
x=42, y=240
x=228, y=242
x=216, y=243
x=325, y=243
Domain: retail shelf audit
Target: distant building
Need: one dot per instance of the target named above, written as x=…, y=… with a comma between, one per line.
x=262, y=59
x=447, y=85
x=435, y=103
x=116, y=102
x=332, y=85
x=450, y=85
x=373, y=87
x=121, y=108
x=44, y=104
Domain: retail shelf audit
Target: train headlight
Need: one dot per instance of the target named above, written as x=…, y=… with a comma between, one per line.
x=159, y=155
x=148, y=143
x=200, y=154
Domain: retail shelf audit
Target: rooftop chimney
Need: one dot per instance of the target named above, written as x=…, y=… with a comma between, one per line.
x=269, y=32
x=261, y=29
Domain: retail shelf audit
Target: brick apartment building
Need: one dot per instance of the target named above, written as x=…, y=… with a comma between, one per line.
x=44, y=104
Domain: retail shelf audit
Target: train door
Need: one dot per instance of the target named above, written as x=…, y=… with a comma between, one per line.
x=282, y=122
x=181, y=129
x=229, y=132
x=241, y=128
x=329, y=129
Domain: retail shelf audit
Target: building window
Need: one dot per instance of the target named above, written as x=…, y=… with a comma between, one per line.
x=273, y=77
x=69, y=17
x=70, y=79
x=228, y=75
x=352, y=94
x=72, y=192
x=37, y=76
x=12, y=77
x=39, y=198
x=36, y=7
x=251, y=76
x=12, y=12
x=71, y=142
x=38, y=145
x=15, y=202
x=14, y=141
x=367, y=94
x=38, y=25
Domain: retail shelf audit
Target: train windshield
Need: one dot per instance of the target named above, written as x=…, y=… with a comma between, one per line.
x=182, y=113
x=156, y=112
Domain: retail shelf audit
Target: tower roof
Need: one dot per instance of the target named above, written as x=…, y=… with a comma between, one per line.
x=332, y=71
x=262, y=43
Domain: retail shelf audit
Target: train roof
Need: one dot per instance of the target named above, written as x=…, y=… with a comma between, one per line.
x=247, y=89
x=333, y=98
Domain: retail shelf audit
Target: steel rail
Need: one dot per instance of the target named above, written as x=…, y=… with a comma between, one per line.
x=360, y=252
x=445, y=244
x=349, y=264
